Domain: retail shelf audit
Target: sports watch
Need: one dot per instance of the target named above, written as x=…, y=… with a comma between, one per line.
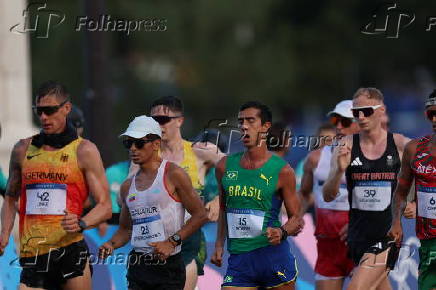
x=82, y=226
x=284, y=233
x=176, y=239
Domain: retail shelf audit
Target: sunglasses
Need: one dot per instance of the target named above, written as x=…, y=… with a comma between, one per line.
x=367, y=110
x=48, y=110
x=345, y=122
x=139, y=143
x=430, y=114
x=162, y=120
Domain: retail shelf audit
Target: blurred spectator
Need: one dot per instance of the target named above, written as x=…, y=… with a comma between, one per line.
x=77, y=119
x=279, y=139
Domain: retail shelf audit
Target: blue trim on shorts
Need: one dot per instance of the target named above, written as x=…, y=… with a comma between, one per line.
x=268, y=266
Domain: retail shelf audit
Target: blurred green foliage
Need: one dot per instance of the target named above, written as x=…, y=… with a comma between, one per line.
x=217, y=54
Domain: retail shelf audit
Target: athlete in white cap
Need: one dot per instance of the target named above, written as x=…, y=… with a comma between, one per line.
x=152, y=214
x=331, y=217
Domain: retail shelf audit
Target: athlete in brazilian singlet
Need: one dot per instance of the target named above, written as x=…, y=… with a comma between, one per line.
x=253, y=186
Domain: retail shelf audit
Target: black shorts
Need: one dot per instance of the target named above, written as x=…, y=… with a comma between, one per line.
x=147, y=272
x=50, y=271
x=356, y=250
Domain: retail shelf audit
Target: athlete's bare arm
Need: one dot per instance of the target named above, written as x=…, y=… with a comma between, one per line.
x=208, y=155
x=91, y=165
x=12, y=194
x=341, y=158
x=292, y=202
x=181, y=186
x=405, y=180
x=217, y=257
x=124, y=231
x=306, y=188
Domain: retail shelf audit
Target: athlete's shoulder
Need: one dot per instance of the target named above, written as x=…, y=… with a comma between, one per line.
x=174, y=171
x=313, y=157
x=411, y=146
x=287, y=170
x=22, y=144
x=125, y=186
x=86, y=147
x=400, y=140
x=20, y=148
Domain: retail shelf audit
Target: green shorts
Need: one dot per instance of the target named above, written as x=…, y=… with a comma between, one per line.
x=194, y=248
x=427, y=265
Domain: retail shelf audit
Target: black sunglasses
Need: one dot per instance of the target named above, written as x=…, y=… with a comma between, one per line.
x=345, y=122
x=139, y=143
x=367, y=110
x=162, y=120
x=48, y=110
x=430, y=114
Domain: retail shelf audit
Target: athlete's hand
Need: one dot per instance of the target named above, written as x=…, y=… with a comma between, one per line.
x=217, y=257
x=213, y=209
x=396, y=233
x=344, y=157
x=105, y=250
x=343, y=233
x=70, y=222
x=207, y=151
x=102, y=229
x=274, y=235
x=294, y=226
x=410, y=210
x=4, y=240
x=163, y=249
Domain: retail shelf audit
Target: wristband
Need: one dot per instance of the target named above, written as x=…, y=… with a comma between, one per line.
x=284, y=233
x=82, y=225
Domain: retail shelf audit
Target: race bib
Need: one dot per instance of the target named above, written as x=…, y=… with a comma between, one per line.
x=244, y=223
x=426, y=202
x=339, y=203
x=372, y=195
x=46, y=198
x=147, y=230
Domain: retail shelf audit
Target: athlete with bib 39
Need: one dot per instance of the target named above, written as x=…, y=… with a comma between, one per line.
x=419, y=164
x=253, y=186
x=371, y=162
x=52, y=173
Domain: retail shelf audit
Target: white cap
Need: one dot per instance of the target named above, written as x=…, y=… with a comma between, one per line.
x=142, y=126
x=343, y=108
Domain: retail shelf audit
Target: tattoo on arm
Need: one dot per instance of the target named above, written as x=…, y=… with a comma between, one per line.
x=13, y=187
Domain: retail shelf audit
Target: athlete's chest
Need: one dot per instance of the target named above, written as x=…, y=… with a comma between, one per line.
x=249, y=185
x=373, y=151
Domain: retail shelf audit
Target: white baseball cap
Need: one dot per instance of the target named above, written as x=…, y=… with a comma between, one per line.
x=142, y=126
x=343, y=108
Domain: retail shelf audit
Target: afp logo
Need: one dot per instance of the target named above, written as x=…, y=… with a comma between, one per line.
x=388, y=20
